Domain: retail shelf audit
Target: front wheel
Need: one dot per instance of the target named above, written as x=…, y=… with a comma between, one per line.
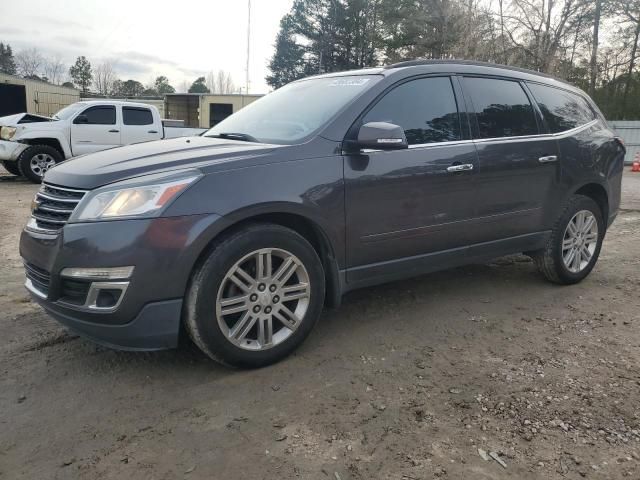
x=34, y=162
x=574, y=246
x=256, y=296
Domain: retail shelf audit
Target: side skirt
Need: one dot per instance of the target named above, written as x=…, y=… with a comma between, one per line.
x=383, y=272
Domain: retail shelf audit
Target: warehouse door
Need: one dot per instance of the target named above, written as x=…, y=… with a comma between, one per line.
x=218, y=112
x=13, y=99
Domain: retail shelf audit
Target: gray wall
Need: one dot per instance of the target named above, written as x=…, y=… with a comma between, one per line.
x=630, y=133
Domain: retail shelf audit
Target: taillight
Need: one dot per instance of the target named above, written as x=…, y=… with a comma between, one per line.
x=620, y=140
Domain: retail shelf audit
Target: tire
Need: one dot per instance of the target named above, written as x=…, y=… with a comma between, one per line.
x=34, y=162
x=223, y=328
x=11, y=167
x=556, y=262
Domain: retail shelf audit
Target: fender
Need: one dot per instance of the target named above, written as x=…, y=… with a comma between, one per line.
x=61, y=137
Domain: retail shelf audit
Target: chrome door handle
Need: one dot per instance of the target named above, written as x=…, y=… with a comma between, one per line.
x=548, y=159
x=114, y=131
x=465, y=167
x=152, y=131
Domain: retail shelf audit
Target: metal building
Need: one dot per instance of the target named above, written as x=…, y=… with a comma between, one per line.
x=629, y=130
x=18, y=95
x=204, y=110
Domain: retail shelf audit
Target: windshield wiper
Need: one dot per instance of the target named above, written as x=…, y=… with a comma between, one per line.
x=243, y=137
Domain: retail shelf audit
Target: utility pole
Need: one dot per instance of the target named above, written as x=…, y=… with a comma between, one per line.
x=248, y=44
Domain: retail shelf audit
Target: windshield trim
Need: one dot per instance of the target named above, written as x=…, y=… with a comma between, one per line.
x=326, y=123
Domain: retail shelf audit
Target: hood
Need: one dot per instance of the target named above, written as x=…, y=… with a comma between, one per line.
x=22, y=118
x=108, y=166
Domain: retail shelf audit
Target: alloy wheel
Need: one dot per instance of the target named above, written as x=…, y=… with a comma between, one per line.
x=263, y=299
x=41, y=162
x=580, y=241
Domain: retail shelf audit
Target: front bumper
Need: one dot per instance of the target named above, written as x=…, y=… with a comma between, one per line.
x=11, y=150
x=163, y=252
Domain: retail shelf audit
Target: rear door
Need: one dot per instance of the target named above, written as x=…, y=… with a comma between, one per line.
x=406, y=203
x=138, y=125
x=95, y=128
x=518, y=161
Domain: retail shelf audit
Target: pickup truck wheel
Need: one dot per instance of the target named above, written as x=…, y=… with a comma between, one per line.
x=256, y=296
x=11, y=167
x=574, y=246
x=34, y=162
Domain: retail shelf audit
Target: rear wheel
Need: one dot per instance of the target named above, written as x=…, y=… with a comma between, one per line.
x=256, y=297
x=34, y=162
x=574, y=246
x=11, y=167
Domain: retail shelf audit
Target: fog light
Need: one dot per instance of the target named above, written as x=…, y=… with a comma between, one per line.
x=110, y=273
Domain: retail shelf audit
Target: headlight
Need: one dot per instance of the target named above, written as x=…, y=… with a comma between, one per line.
x=7, y=133
x=143, y=200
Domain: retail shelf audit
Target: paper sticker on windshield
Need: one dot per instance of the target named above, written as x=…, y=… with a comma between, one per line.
x=348, y=82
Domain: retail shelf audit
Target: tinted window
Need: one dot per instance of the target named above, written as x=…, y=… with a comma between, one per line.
x=425, y=108
x=136, y=116
x=502, y=108
x=100, y=115
x=562, y=110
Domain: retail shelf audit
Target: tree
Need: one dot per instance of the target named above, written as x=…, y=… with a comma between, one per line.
x=104, y=78
x=129, y=88
x=220, y=82
x=288, y=61
x=54, y=69
x=7, y=62
x=199, y=86
x=28, y=62
x=81, y=73
x=68, y=85
x=162, y=86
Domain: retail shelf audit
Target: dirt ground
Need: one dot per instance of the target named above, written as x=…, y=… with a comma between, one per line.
x=405, y=381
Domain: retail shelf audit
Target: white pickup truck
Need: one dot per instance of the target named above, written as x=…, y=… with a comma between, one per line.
x=31, y=144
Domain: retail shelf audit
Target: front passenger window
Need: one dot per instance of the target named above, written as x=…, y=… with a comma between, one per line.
x=103, y=115
x=425, y=108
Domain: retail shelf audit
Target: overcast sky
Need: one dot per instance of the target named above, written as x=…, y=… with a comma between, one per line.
x=144, y=39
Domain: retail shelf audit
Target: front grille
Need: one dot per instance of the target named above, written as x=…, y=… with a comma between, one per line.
x=39, y=277
x=74, y=291
x=53, y=206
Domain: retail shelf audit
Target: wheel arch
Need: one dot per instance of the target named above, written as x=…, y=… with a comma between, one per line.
x=598, y=194
x=309, y=229
x=48, y=141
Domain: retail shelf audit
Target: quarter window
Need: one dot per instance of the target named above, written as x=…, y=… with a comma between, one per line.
x=502, y=108
x=137, y=116
x=425, y=108
x=562, y=110
x=102, y=115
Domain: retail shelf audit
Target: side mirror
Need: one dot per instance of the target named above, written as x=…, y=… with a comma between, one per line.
x=382, y=136
x=80, y=119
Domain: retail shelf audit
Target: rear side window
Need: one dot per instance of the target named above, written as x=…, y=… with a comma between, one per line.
x=425, y=108
x=137, y=116
x=562, y=110
x=103, y=115
x=502, y=108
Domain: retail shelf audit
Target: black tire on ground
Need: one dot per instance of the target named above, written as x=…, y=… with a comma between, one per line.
x=549, y=259
x=11, y=167
x=25, y=165
x=201, y=319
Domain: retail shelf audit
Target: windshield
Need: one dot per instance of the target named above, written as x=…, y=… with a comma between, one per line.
x=67, y=112
x=294, y=111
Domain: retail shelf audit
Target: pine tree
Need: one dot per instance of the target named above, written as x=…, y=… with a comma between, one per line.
x=81, y=73
x=7, y=62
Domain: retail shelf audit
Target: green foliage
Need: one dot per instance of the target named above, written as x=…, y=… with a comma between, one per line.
x=199, y=86
x=7, y=62
x=81, y=73
x=128, y=88
x=162, y=87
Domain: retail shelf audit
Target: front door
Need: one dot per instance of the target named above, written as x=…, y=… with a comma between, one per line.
x=94, y=129
x=519, y=165
x=402, y=204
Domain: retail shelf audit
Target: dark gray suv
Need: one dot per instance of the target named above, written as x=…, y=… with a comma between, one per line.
x=240, y=236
